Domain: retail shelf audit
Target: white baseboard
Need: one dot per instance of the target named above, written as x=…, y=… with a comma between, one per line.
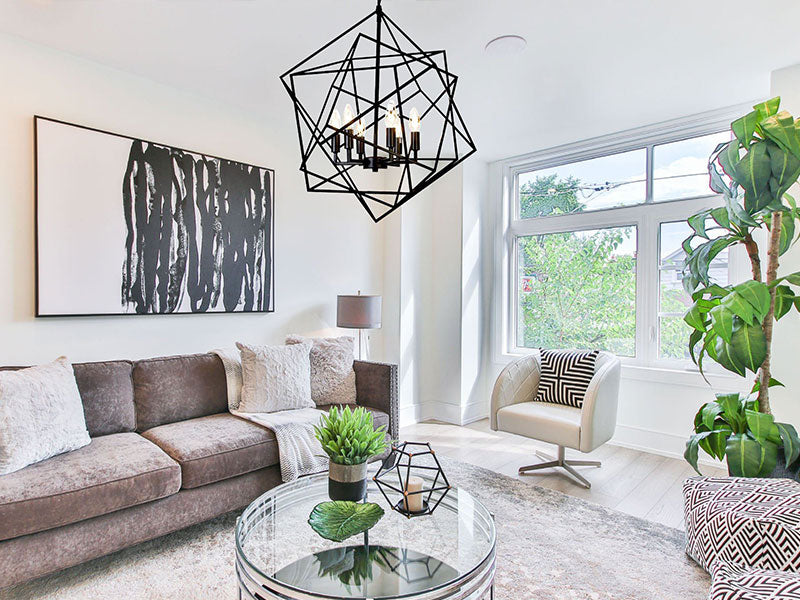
x=656, y=442
x=410, y=414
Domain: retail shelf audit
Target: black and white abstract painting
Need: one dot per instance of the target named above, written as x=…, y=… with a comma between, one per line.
x=128, y=226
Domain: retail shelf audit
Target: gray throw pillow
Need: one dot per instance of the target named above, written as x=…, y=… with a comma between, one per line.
x=41, y=415
x=275, y=377
x=333, y=380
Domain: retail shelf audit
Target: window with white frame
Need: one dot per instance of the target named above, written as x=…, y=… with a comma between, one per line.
x=595, y=247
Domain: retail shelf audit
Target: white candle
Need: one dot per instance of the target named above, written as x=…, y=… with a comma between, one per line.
x=414, y=501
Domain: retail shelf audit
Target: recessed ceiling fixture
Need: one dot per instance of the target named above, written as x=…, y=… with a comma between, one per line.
x=506, y=45
x=360, y=103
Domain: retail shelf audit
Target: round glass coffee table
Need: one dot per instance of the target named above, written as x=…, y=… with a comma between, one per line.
x=448, y=554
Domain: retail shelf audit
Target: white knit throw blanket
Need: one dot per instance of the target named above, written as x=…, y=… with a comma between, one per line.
x=299, y=450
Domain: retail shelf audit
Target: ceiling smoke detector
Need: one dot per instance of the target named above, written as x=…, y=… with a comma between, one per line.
x=506, y=45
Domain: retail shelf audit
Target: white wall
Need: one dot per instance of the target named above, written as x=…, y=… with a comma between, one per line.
x=324, y=244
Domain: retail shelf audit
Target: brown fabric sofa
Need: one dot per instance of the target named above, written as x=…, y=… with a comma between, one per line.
x=165, y=454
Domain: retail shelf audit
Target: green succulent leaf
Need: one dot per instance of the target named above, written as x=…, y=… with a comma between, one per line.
x=340, y=519
x=349, y=437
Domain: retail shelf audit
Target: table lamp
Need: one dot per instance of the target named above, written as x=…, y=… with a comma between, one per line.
x=358, y=312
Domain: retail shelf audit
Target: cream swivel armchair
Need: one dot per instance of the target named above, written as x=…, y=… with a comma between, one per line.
x=514, y=410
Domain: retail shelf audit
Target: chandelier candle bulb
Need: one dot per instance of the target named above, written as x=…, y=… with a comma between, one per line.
x=414, y=501
x=415, y=123
x=360, y=132
x=349, y=127
x=336, y=123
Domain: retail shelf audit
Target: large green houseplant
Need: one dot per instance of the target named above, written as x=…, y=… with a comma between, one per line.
x=733, y=325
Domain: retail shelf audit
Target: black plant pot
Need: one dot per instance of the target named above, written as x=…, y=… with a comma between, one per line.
x=347, y=482
x=782, y=472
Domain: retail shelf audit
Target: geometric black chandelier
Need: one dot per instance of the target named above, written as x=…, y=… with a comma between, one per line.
x=361, y=104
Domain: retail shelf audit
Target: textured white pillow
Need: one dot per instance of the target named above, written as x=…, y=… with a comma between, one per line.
x=275, y=377
x=41, y=415
x=333, y=380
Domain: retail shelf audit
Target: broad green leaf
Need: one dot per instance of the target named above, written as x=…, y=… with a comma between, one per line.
x=784, y=299
x=752, y=172
x=709, y=413
x=781, y=129
x=739, y=306
x=748, y=458
x=760, y=424
x=694, y=318
x=791, y=442
x=793, y=278
x=725, y=357
x=340, y=519
x=744, y=127
x=749, y=345
x=716, y=443
x=738, y=214
x=787, y=234
x=767, y=108
x=698, y=223
x=732, y=410
x=692, y=447
x=722, y=322
x=757, y=294
x=714, y=291
x=720, y=216
x=772, y=383
x=694, y=339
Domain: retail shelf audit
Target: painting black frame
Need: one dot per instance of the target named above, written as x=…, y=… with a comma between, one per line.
x=37, y=274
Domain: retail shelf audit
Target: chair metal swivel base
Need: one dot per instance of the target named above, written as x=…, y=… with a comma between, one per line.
x=562, y=462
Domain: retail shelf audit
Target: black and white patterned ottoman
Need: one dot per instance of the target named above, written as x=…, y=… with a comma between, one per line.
x=748, y=522
x=734, y=582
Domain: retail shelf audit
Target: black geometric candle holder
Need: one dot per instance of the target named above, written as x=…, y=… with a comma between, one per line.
x=406, y=460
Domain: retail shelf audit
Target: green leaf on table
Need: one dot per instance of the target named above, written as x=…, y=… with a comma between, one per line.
x=749, y=458
x=338, y=520
x=791, y=442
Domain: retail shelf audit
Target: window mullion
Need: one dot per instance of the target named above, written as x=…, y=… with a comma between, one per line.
x=649, y=176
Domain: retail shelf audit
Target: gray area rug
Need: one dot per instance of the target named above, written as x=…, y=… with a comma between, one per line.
x=550, y=547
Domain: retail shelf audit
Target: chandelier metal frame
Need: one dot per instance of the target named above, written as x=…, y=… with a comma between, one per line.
x=395, y=55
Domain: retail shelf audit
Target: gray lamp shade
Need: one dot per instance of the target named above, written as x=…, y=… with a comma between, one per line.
x=358, y=312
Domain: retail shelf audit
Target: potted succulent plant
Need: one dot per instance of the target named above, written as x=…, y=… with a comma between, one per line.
x=350, y=439
x=733, y=325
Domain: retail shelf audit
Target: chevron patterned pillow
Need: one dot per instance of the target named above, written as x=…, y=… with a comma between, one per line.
x=735, y=582
x=565, y=376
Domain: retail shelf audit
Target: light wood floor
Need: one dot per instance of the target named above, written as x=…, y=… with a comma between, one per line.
x=638, y=483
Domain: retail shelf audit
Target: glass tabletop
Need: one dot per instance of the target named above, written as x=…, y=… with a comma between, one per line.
x=399, y=558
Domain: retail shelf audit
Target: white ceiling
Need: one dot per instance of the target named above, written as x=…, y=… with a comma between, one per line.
x=591, y=66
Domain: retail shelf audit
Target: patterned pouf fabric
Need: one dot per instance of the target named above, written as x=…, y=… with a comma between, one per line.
x=734, y=582
x=747, y=522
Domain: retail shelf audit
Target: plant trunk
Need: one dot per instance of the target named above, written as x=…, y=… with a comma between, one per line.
x=769, y=320
x=755, y=259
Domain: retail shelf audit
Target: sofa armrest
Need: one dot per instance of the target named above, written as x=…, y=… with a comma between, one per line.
x=517, y=382
x=376, y=387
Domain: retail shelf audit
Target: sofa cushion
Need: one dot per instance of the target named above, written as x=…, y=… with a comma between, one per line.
x=106, y=391
x=215, y=447
x=176, y=388
x=111, y=473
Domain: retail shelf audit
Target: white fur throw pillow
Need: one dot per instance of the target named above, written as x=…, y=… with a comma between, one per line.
x=41, y=415
x=275, y=378
x=333, y=380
